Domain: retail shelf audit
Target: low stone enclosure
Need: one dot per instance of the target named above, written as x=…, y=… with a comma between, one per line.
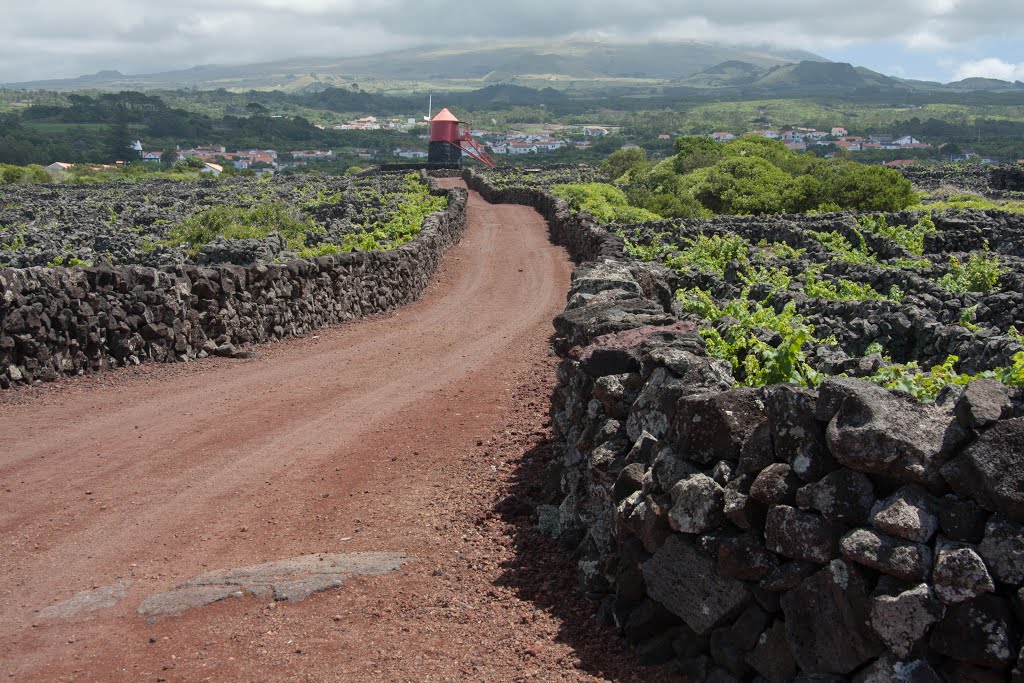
x=777, y=533
x=992, y=180
x=58, y=321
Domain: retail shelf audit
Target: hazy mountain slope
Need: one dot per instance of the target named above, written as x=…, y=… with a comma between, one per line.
x=484, y=62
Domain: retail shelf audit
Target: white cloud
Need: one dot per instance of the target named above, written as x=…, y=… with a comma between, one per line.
x=926, y=40
x=136, y=36
x=991, y=67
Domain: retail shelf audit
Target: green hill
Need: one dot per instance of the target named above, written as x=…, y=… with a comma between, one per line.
x=564, y=63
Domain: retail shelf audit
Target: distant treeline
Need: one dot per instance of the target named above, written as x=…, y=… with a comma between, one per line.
x=42, y=127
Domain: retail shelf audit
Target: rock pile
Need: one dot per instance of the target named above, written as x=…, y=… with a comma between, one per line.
x=781, y=533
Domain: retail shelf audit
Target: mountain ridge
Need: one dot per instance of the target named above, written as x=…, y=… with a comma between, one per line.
x=459, y=65
x=576, y=67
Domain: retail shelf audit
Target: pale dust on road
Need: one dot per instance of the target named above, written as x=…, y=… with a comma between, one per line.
x=381, y=435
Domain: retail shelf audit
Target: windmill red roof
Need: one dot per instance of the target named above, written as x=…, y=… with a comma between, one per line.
x=444, y=115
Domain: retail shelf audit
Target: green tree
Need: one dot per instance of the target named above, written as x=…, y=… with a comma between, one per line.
x=697, y=151
x=169, y=156
x=748, y=185
x=119, y=138
x=624, y=160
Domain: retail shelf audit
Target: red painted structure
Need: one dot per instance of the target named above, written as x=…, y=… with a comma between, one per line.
x=446, y=129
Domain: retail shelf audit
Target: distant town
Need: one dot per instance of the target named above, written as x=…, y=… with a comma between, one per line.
x=216, y=158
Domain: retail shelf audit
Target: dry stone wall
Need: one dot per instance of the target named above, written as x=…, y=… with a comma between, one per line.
x=780, y=533
x=68, y=321
x=993, y=180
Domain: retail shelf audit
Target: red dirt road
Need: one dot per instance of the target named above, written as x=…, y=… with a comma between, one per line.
x=415, y=432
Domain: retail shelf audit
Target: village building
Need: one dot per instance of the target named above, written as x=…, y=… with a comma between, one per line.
x=410, y=153
x=213, y=169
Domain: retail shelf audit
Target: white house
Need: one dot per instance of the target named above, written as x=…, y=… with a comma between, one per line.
x=152, y=156
x=595, y=131
x=840, y=132
x=907, y=140
x=58, y=168
x=548, y=145
x=410, y=153
x=213, y=169
x=521, y=148
x=722, y=136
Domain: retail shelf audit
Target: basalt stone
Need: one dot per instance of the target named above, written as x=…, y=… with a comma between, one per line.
x=695, y=668
x=878, y=432
x=656, y=404
x=727, y=654
x=983, y=402
x=648, y=620
x=644, y=449
x=668, y=468
x=888, y=669
x=801, y=535
x=787, y=576
x=991, y=470
x=892, y=556
x=757, y=452
x=600, y=276
x=630, y=479
x=1003, y=550
x=902, y=619
x=677, y=347
x=745, y=558
x=798, y=438
x=610, y=391
x=748, y=627
x=722, y=473
x=657, y=650
x=961, y=672
x=907, y=514
x=775, y=485
x=960, y=574
x=826, y=621
x=598, y=361
x=712, y=427
x=697, y=505
x=741, y=510
x=771, y=657
x=842, y=496
x=649, y=521
x=686, y=583
x=979, y=632
x=962, y=520
x=580, y=326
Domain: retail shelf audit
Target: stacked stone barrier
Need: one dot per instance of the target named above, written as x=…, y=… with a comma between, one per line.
x=993, y=180
x=70, y=321
x=778, y=533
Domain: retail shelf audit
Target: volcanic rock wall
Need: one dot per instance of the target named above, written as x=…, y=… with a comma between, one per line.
x=993, y=180
x=781, y=533
x=67, y=321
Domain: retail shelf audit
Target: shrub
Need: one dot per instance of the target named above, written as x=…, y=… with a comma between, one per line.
x=606, y=203
x=980, y=273
x=910, y=237
x=761, y=345
x=747, y=185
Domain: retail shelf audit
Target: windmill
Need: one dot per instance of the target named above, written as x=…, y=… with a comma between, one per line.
x=450, y=138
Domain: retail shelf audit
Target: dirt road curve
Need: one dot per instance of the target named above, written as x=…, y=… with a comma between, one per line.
x=416, y=436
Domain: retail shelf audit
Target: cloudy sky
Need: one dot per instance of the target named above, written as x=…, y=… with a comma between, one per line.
x=930, y=39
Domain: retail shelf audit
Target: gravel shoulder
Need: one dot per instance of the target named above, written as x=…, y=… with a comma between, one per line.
x=423, y=433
